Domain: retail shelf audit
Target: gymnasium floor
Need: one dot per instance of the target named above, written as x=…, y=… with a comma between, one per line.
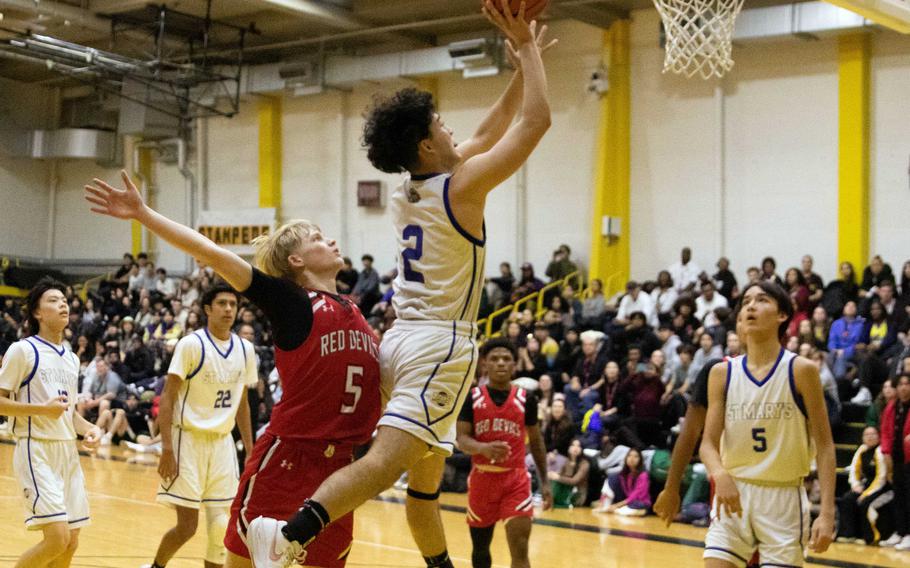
x=127, y=524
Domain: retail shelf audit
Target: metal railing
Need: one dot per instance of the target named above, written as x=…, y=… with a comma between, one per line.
x=91, y=284
x=486, y=324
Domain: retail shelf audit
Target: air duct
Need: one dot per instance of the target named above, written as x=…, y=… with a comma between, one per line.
x=65, y=143
x=800, y=20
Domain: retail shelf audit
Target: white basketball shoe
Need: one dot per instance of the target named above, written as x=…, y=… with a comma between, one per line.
x=268, y=547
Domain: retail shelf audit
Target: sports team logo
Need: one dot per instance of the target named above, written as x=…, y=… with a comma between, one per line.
x=441, y=398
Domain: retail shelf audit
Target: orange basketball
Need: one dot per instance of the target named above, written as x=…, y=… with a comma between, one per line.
x=533, y=8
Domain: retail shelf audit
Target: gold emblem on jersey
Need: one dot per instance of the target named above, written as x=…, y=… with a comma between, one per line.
x=329, y=451
x=441, y=398
x=413, y=196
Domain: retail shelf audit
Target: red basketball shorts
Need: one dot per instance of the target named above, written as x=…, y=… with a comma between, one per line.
x=498, y=496
x=282, y=474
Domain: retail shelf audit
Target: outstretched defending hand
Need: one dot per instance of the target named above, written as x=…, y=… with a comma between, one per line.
x=515, y=28
x=120, y=203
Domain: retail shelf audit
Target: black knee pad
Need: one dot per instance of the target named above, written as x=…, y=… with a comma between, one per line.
x=423, y=496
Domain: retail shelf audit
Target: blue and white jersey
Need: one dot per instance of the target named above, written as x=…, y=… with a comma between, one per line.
x=440, y=265
x=35, y=371
x=766, y=434
x=214, y=374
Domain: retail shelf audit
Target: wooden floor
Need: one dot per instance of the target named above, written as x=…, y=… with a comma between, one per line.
x=127, y=524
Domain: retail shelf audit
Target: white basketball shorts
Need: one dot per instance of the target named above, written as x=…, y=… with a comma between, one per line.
x=208, y=473
x=775, y=521
x=427, y=370
x=50, y=479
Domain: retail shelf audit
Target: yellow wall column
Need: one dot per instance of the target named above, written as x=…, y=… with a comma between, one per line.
x=431, y=85
x=270, y=153
x=145, y=174
x=610, y=256
x=853, y=159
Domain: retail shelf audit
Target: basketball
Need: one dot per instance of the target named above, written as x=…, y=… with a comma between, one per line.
x=533, y=8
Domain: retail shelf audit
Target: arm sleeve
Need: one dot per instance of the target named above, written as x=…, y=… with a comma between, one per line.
x=17, y=364
x=641, y=489
x=700, y=388
x=252, y=368
x=623, y=308
x=887, y=429
x=833, y=335
x=854, y=467
x=881, y=471
x=531, y=411
x=287, y=306
x=187, y=357
x=467, y=410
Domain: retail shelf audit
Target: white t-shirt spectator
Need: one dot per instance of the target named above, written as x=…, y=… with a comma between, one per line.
x=684, y=274
x=664, y=299
x=166, y=287
x=704, y=309
x=643, y=303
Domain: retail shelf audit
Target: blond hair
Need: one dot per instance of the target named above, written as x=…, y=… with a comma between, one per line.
x=273, y=250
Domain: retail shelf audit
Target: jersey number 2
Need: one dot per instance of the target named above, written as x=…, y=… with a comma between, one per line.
x=409, y=255
x=352, y=389
x=758, y=434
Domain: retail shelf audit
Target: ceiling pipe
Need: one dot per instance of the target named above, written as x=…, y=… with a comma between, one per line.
x=331, y=16
x=76, y=16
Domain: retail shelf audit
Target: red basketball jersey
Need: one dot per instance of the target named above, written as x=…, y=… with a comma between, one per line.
x=330, y=383
x=504, y=423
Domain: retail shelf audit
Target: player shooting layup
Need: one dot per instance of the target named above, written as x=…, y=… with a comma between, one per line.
x=429, y=356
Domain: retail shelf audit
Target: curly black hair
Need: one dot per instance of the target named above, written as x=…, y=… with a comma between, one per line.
x=395, y=126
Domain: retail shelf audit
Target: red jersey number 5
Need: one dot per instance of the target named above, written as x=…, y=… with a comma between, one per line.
x=352, y=390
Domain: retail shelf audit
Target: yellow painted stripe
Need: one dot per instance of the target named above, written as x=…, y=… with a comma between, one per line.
x=431, y=85
x=13, y=292
x=145, y=173
x=853, y=159
x=270, y=152
x=610, y=257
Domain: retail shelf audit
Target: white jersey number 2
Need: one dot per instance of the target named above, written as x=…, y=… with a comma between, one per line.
x=355, y=375
x=409, y=255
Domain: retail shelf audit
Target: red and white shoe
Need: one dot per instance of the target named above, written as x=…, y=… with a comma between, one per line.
x=268, y=547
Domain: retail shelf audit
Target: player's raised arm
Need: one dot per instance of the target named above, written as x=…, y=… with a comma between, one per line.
x=809, y=386
x=481, y=173
x=127, y=204
x=726, y=494
x=501, y=115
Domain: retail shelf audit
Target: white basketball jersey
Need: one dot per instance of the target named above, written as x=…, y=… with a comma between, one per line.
x=440, y=266
x=766, y=435
x=35, y=371
x=214, y=374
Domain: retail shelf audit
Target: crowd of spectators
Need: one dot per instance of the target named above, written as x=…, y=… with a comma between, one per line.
x=612, y=374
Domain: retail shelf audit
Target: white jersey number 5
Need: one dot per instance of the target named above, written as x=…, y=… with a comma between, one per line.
x=352, y=388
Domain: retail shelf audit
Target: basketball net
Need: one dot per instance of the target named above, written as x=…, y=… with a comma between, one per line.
x=699, y=35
